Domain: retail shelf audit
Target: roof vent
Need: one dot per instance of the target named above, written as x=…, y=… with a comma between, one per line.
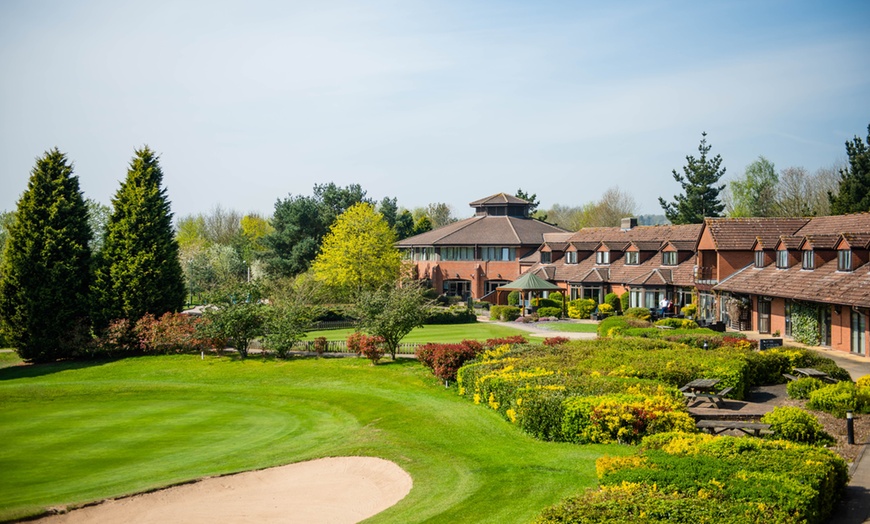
x=628, y=223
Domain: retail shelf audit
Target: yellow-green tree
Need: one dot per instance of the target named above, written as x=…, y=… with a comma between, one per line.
x=358, y=253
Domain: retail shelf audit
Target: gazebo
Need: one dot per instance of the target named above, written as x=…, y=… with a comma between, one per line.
x=531, y=283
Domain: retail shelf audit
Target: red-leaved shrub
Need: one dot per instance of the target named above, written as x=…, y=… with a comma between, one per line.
x=555, y=341
x=445, y=359
x=370, y=347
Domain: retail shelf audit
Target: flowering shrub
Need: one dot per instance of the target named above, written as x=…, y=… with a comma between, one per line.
x=321, y=345
x=796, y=425
x=677, y=323
x=581, y=308
x=556, y=341
x=605, y=310
x=863, y=382
x=839, y=398
x=622, y=418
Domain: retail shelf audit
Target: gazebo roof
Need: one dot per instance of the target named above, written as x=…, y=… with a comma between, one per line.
x=530, y=282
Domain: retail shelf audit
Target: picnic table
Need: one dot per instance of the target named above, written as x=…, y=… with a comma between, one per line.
x=812, y=372
x=704, y=390
x=714, y=427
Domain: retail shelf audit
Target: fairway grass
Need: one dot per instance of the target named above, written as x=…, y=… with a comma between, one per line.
x=443, y=333
x=74, y=433
x=569, y=327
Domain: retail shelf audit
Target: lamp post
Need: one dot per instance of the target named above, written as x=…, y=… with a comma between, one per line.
x=850, y=428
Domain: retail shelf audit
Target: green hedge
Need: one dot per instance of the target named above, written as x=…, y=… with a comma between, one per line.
x=549, y=312
x=839, y=398
x=504, y=313
x=451, y=315
x=796, y=425
x=685, y=478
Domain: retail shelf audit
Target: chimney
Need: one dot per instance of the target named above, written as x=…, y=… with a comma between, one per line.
x=628, y=223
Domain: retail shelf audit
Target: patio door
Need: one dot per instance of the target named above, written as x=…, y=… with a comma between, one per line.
x=825, y=326
x=763, y=315
x=859, y=332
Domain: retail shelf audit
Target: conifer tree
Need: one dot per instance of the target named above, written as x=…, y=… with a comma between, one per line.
x=854, y=192
x=138, y=271
x=45, y=275
x=701, y=194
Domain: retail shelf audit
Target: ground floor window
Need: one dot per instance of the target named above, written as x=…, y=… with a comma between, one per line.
x=859, y=332
x=457, y=288
x=490, y=285
x=788, y=307
x=825, y=325
x=706, y=306
x=763, y=315
x=635, y=298
x=596, y=293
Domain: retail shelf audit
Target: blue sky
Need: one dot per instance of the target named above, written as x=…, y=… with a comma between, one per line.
x=247, y=102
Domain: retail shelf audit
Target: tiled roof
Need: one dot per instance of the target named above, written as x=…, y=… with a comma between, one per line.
x=837, y=224
x=651, y=245
x=791, y=241
x=822, y=241
x=638, y=234
x=484, y=230
x=824, y=284
x=498, y=198
x=741, y=233
x=858, y=240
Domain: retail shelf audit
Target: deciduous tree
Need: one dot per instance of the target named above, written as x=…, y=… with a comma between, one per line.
x=754, y=194
x=138, y=270
x=391, y=312
x=854, y=191
x=700, y=196
x=358, y=253
x=45, y=274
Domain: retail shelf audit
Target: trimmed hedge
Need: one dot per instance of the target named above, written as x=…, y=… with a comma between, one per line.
x=549, y=312
x=686, y=478
x=839, y=398
x=451, y=315
x=581, y=308
x=796, y=425
x=504, y=313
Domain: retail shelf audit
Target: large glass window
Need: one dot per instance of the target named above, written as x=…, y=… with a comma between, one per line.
x=763, y=315
x=782, y=259
x=423, y=253
x=490, y=285
x=808, y=260
x=669, y=258
x=632, y=258
x=457, y=253
x=844, y=260
x=498, y=253
x=636, y=298
x=759, y=259
x=602, y=257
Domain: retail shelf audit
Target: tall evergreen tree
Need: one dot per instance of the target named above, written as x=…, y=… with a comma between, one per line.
x=854, y=193
x=701, y=194
x=138, y=270
x=46, y=272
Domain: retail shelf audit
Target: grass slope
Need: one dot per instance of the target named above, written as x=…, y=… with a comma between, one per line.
x=445, y=333
x=78, y=432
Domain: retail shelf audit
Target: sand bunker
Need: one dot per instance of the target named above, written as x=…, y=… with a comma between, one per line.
x=334, y=490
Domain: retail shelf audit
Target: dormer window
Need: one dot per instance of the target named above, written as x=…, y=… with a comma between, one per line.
x=546, y=257
x=782, y=258
x=844, y=260
x=632, y=258
x=759, y=259
x=669, y=258
x=571, y=257
x=808, y=261
x=602, y=257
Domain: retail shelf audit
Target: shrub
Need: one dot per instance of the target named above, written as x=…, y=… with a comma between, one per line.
x=622, y=418
x=689, y=310
x=513, y=298
x=624, y=301
x=556, y=341
x=550, y=312
x=546, y=302
x=677, y=323
x=803, y=387
x=839, y=398
x=612, y=299
x=581, y=308
x=445, y=359
x=796, y=425
x=767, y=367
x=451, y=315
x=371, y=347
x=494, y=342
x=638, y=312
x=805, y=323
x=173, y=333
x=605, y=310
x=118, y=338
x=863, y=382
x=504, y=313
x=557, y=296
x=320, y=346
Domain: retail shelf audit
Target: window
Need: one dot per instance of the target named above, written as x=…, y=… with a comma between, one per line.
x=782, y=259
x=602, y=257
x=759, y=259
x=844, y=260
x=424, y=253
x=491, y=285
x=546, y=257
x=669, y=258
x=571, y=257
x=632, y=258
x=636, y=298
x=859, y=330
x=498, y=253
x=808, y=260
x=457, y=253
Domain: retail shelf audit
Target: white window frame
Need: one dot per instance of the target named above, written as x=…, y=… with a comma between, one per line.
x=844, y=260
x=759, y=259
x=808, y=260
x=782, y=258
x=602, y=258
x=669, y=258
x=632, y=258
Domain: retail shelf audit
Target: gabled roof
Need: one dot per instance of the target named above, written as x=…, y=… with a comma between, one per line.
x=789, y=242
x=660, y=234
x=498, y=198
x=530, y=282
x=731, y=234
x=857, y=240
x=837, y=224
x=485, y=230
x=820, y=242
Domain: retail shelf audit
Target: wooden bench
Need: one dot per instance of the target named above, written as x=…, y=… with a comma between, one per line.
x=716, y=399
x=789, y=377
x=714, y=427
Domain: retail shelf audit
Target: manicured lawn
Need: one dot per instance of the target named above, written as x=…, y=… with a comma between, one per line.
x=78, y=432
x=446, y=333
x=571, y=327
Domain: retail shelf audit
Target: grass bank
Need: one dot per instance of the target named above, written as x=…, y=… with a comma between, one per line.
x=444, y=333
x=78, y=432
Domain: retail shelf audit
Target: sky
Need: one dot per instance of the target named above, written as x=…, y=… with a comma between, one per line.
x=451, y=101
